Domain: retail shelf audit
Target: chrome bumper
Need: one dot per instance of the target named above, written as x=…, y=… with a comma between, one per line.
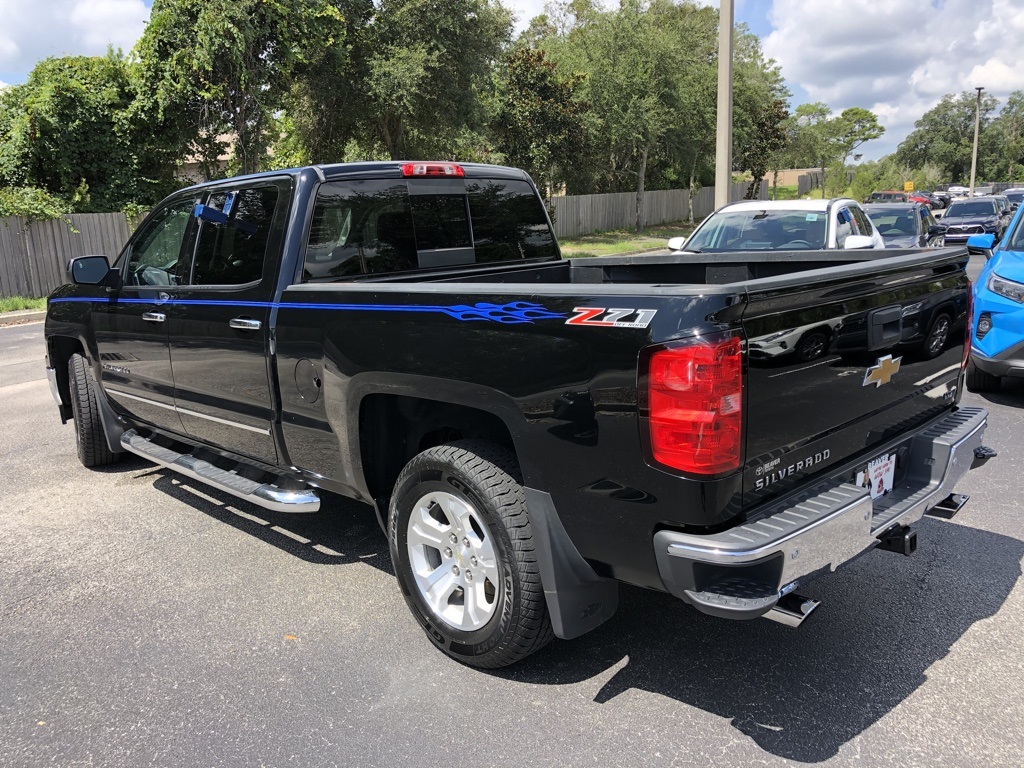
x=51, y=376
x=743, y=571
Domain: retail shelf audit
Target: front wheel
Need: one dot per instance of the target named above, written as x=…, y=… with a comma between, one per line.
x=90, y=439
x=938, y=335
x=463, y=551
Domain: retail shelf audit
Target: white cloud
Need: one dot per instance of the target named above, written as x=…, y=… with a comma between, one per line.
x=898, y=57
x=31, y=31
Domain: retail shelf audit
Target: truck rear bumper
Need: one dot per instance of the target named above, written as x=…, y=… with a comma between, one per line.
x=742, y=572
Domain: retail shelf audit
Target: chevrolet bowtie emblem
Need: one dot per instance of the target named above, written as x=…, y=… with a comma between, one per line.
x=882, y=372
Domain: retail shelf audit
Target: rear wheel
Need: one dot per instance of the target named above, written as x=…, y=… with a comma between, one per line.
x=90, y=440
x=812, y=346
x=463, y=551
x=980, y=381
x=937, y=336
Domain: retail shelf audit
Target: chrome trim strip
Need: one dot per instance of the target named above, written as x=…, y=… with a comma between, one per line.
x=187, y=412
x=51, y=375
x=145, y=400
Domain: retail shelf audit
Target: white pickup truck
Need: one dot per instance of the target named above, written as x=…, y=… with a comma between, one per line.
x=782, y=225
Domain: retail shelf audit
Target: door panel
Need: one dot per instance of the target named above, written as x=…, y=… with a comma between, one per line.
x=131, y=328
x=218, y=328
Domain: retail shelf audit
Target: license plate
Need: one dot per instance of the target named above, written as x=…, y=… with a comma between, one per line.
x=878, y=475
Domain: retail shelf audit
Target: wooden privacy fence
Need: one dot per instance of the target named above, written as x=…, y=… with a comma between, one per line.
x=34, y=255
x=583, y=214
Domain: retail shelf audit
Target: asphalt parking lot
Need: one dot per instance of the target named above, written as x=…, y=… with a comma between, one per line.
x=147, y=621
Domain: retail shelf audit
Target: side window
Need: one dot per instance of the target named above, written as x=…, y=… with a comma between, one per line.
x=508, y=221
x=232, y=252
x=155, y=254
x=844, y=226
x=360, y=227
x=862, y=220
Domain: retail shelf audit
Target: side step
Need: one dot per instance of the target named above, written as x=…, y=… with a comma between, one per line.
x=265, y=495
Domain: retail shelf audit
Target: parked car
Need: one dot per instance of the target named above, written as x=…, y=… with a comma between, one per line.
x=889, y=196
x=997, y=348
x=942, y=199
x=963, y=218
x=924, y=198
x=1015, y=196
x=905, y=225
x=782, y=225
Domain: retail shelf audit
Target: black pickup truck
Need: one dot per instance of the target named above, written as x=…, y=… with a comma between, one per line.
x=530, y=430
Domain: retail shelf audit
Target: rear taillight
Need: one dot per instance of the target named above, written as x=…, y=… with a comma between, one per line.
x=695, y=406
x=433, y=169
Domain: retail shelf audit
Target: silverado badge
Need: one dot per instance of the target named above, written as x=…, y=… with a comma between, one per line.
x=882, y=371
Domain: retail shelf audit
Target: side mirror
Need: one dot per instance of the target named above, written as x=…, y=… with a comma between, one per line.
x=858, y=242
x=936, y=230
x=676, y=243
x=981, y=245
x=92, y=270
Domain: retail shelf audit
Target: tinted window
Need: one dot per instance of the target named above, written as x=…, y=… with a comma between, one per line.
x=153, y=257
x=508, y=221
x=360, y=227
x=233, y=252
x=972, y=208
x=863, y=222
x=365, y=227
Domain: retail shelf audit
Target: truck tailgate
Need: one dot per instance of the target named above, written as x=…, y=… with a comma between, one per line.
x=841, y=366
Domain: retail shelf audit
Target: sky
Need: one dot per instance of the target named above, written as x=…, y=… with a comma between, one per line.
x=894, y=57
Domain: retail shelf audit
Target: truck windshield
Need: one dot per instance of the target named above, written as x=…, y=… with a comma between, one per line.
x=760, y=230
x=972, y=208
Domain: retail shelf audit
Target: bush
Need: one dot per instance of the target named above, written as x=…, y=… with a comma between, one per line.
x=30, y=202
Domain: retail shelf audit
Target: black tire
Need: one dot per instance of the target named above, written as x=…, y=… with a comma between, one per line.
x=485, y=477
x=90, y=439
x=980, y=381
x=812, y=346
x=938, y=335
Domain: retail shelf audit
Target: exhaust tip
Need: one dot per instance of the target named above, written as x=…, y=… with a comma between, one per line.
x=792, y=609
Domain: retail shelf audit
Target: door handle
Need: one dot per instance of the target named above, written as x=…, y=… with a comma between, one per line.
x=154, y=317
x=245, y=324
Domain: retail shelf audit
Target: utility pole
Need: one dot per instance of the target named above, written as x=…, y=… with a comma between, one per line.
x=977, y=124
x=723, y=143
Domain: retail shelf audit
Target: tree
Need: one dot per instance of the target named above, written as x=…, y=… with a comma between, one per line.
x=768, y=140
x=1007, y=133
x=216, y=71
x=945, y=136
x=72, y=129
x=539, y=125
x=821, y=139
x=853, y=127
x=426, y=64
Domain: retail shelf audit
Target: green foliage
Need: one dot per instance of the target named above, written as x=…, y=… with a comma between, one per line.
x=71, y=130
x=768, y=140
x=820, y=139
x=18, y=303
x=31, y=202
x=945, y=136
x=211, y=68
x=539, y=124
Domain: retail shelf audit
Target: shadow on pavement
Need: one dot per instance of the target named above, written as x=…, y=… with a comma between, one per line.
x=1011, y=393
x=802, y=693
x=343, y=531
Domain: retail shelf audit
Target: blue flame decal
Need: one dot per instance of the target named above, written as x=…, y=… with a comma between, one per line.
x=510, y=314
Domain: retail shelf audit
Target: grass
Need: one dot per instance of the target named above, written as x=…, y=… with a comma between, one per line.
x=622, y=241
x=784, y=192
x=15, y=303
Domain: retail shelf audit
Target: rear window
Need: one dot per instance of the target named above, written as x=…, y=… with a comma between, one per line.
x=972, y=208
x=377, y=226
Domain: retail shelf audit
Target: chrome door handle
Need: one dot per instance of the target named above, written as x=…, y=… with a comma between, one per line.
x=245, y=324
x=154, y=317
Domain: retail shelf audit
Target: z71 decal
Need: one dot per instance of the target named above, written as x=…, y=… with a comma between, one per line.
x=611, y=318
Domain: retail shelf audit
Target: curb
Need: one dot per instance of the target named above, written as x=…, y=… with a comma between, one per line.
x=23, y=316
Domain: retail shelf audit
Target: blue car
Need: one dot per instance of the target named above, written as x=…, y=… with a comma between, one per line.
x=997, y=346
